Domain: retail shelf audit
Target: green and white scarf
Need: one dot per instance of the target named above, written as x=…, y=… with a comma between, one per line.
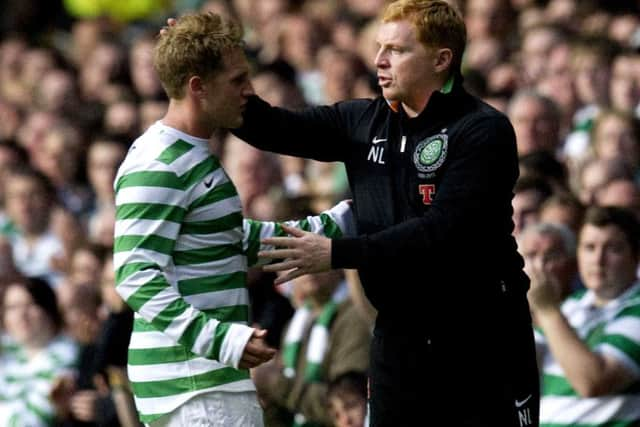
x=318, y=341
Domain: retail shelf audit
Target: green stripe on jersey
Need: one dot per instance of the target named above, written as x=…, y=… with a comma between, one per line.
x=147, y=292
x=197, y=173
x=203, y=255
x=221, y=192
x=232, y=313
x=149, y=241
x=123, y=272
x=624, y=344
x=159, y=355
x=162, y=179
x=225, y=223
x=221, y=332
x=221, y=282
x=174, y=151
x=553, y=385
x=150, y=211
x=183, y=385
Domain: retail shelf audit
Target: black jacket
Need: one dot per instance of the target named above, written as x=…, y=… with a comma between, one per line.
x=432, y=197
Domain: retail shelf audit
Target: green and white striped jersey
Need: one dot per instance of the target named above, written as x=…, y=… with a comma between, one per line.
x=614, y=330
x=181, y=254
x=25, y=383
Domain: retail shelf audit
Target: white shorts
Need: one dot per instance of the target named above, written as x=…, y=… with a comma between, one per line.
x=215, y=409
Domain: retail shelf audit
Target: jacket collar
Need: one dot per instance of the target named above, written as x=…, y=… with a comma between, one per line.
x=441, y=101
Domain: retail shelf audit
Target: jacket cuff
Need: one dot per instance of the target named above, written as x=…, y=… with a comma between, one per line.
x=234, y=343
x=348, y=252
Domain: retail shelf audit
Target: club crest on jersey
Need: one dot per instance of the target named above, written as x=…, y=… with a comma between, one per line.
x=431, y=153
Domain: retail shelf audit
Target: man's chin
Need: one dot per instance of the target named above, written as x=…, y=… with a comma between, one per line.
x=235, y=123
x=389, y=94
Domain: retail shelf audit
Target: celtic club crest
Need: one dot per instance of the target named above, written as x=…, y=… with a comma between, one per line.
x=431, y=153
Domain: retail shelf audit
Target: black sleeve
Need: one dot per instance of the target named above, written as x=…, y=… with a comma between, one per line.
x=473, y=197
x=320, y=133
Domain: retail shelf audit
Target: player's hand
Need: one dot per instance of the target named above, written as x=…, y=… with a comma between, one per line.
x=83, y=405
x=302, y=253
x=256, y=352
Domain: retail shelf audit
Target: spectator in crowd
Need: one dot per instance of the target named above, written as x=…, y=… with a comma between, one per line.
x=347, y=396
x=326, y=338
x=551, y=248
x=563, y=208
x=104, y=155
x=33, y=355
x=536, y=121
x=588, y=343
x=623, y=193
x=596, y=173
x=59, y=158
x=530, y=192
x=29, y=201
x=616, y=135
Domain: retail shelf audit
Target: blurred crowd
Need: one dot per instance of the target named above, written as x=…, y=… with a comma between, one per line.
x=77, y=86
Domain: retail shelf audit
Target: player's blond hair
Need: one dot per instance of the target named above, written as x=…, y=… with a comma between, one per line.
x=194, y=47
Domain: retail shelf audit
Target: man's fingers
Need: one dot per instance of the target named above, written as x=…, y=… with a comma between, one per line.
x=171, y=22
x=281, y=266
x=279, y=242
x=289, y=276
x=278, y=253
x=293, y=230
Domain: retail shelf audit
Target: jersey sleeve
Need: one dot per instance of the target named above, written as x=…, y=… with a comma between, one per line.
x=150, y=208
x=335, y=222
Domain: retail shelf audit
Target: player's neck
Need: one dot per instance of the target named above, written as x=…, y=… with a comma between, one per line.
x=184, y=117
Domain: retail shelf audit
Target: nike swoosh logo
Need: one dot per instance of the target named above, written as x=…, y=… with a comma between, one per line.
x=208, y=183
x=519, y=403
x=376, y=140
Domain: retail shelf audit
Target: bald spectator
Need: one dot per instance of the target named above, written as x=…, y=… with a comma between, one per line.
x=535, y=119
x=551, y=248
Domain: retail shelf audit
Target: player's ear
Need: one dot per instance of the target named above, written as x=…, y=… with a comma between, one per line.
x=443, y=59
x=195, y=85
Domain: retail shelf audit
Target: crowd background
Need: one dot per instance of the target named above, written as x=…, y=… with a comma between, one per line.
x=77, y=86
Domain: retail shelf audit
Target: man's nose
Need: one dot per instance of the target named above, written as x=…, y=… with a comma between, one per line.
x=381, y=60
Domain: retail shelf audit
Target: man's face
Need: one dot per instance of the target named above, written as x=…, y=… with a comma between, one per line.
x=534, y=128
x=546, y=252
x=405, y=66
x=526, y=209
x=606, y=261
x=227, y=91
x=348, y=410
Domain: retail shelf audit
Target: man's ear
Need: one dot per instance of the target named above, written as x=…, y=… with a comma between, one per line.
x=196, y=87
x=443, y=60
